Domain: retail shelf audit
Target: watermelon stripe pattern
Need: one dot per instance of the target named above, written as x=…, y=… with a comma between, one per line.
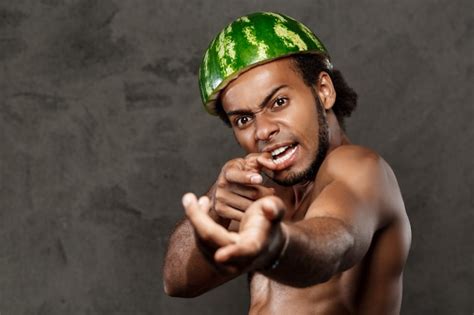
x=249, y=41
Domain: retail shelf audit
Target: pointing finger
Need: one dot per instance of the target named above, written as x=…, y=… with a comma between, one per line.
x=206, y=228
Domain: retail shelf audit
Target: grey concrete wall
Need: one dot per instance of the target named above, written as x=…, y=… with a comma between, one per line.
x=102, y=131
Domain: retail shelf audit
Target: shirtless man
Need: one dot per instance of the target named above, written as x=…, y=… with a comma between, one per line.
x=324, y=230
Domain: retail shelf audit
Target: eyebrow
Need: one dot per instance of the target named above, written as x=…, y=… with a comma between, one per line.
x=262, y=104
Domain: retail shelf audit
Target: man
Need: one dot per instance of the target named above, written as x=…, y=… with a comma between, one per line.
x=324, y=230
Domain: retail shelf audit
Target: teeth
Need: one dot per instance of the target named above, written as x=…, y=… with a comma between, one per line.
x=285, y=157
x=279, y=150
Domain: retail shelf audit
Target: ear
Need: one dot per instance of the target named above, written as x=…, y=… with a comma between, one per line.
x=325, y=90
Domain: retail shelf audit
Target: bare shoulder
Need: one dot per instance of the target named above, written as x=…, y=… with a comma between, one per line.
x=357, y=164
x=365, y=173
x=349, y=159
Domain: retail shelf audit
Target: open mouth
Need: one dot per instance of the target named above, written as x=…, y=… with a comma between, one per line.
x=283, y=154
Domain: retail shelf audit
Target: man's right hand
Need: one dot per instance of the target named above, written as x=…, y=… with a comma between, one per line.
x=239, y=184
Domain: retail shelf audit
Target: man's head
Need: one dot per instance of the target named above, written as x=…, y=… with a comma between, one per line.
x=270, y=79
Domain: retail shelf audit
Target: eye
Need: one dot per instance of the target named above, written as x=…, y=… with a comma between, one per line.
x=242, y=121
x=279, y=102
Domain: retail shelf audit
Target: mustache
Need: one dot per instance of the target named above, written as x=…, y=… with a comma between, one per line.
x=279, y=138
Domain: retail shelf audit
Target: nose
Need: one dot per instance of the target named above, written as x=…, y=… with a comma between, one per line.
x=266, y=128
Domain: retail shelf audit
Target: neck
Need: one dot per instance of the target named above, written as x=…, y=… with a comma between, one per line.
x=337, y=136
x=300, y=191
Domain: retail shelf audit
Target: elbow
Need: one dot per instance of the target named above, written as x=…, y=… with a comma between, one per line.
x=171, y=284
x=177, y=282
x=172, y=291
x=168, y=286
x=175, y=291
x=173, y=287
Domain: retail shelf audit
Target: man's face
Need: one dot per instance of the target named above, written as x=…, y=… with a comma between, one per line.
x=272, y=110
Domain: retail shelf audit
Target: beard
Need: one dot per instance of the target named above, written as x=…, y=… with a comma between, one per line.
x=310, y=173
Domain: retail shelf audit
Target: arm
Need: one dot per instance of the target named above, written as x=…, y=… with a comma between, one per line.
x=337, y=230
x=190, y=270
x=187, y=272
x=329, y=240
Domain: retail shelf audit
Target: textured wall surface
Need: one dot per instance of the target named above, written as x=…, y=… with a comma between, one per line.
x=102, y=131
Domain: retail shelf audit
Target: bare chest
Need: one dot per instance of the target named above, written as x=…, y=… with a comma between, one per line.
x=270, y=297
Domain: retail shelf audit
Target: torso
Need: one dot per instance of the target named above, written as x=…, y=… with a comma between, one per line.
x=373, y=286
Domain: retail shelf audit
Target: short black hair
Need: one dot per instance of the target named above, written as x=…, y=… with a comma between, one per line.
x=309, y=66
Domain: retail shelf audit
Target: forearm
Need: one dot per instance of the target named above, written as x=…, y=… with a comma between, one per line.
x=186, y=271
x=317, y=249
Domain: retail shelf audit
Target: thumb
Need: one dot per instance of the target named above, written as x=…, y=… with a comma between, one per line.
x=272, y=208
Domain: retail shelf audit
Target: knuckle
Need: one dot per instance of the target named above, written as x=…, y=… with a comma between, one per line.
x=227, y=165
x=221, y=184
x=218, y=195
x=234, y=163
x=223, y=211
x=220, y=199
x=219, y=210
x=218, y=205
x=239, y=161
x=254, y=194
x=226, y=175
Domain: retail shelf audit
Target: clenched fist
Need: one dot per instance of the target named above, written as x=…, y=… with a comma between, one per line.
x=239, y=184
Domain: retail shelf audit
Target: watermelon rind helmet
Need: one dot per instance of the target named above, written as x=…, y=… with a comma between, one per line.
x=249, y=41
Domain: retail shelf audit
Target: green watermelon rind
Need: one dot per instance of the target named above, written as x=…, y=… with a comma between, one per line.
x=221, y=64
